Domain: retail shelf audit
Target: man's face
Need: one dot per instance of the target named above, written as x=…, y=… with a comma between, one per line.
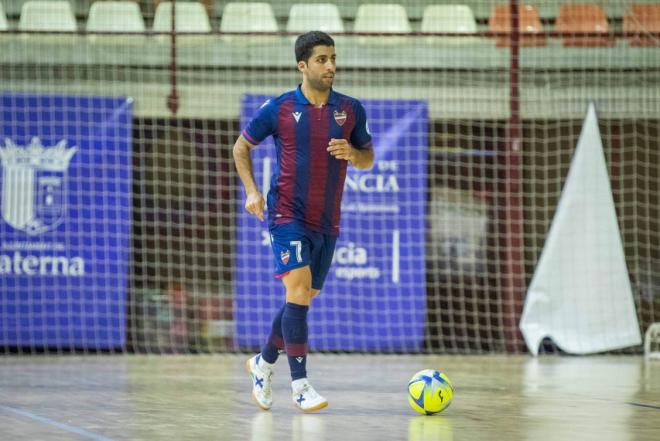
x=319, y=69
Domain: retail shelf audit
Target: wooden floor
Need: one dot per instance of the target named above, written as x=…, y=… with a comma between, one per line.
x=208, y=398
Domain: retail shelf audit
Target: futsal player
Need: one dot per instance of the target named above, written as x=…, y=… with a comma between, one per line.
x=318, y=132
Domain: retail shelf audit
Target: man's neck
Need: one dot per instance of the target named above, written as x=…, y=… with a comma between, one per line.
x=318, y=98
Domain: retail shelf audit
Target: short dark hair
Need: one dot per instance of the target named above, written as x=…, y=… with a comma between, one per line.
x=305, y=44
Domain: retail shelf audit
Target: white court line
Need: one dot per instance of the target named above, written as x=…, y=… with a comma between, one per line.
x=66, y=427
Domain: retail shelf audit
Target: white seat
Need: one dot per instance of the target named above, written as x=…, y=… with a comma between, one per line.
x=3, y=19
x=38, y=15
x=190, y=17
x=381, y=18
x=248, y=17
x=115, y=16
x=450, y=18
x=305, y=17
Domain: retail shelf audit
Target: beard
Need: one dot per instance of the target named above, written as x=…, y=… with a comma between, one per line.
x=321, y=83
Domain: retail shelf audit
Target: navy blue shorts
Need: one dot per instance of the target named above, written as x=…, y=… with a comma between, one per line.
x=295, y=246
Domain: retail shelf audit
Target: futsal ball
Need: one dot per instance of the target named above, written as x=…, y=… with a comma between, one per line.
x=430, y=392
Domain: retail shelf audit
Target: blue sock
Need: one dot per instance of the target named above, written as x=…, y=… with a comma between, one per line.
x=294, y=330
x=275, y=343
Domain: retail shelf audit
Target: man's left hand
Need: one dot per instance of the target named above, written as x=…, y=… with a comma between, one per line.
x=341, y=149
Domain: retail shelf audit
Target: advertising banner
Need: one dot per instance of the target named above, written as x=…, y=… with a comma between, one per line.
x=65, y=185
x=374, y=297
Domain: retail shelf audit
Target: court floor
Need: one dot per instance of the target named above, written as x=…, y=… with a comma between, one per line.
x=183, y=397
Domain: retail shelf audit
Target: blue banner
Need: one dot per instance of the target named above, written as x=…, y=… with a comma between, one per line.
x=65, y=181
x=374, y=298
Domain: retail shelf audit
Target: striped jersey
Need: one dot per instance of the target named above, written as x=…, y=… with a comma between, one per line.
x=307, y=182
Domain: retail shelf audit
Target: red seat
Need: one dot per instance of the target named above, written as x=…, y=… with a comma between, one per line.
x=529, y=24
x=642, y=19
x=581, y=18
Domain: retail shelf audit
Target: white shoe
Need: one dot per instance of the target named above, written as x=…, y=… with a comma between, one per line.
x=261, y=382
x=305, y=397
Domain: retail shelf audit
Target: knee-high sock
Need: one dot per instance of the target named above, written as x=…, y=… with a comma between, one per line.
x=275, y=343
x=294, y=330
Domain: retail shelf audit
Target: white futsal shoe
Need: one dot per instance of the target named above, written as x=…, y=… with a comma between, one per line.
x=261, y=382
x=305, y=397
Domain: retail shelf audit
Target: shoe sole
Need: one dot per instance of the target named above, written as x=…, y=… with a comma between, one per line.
x=312, y=409
x=254, y=398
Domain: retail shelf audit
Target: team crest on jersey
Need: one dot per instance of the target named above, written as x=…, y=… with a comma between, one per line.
x=340, y=117
x=284, y=256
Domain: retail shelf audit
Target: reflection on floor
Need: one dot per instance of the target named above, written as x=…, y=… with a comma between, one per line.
x=208, y=397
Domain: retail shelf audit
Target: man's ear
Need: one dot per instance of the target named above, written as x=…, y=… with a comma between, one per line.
x=301, y=65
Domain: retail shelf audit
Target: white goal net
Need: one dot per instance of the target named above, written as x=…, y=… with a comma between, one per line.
x=122, y=225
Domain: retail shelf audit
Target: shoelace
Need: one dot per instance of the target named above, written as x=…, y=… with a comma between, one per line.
x=308, y=389
x=268, y=374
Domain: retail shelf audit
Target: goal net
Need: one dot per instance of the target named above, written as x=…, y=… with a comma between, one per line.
x=123, y=226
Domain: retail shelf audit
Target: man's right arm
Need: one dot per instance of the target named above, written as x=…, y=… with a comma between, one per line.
x=254, y=201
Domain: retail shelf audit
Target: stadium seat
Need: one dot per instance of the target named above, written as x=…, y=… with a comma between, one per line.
x=148, y=7
x=190, y=17
x=449, y=18
x=3, y=19
x=116, y=17
x=642, y=19
x=39, y=15
x=305, y=17
x=248, y=17
x=530, y=26
x=382, y=18
x=582, y=18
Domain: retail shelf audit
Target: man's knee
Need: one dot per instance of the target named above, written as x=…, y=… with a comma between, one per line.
x=300, y=292
x=298, y=286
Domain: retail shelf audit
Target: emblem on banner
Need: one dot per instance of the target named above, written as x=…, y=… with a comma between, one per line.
x=340, y=117
x=284, y=256
x=33, y=185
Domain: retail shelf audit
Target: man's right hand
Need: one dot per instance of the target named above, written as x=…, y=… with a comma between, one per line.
x=254, y=204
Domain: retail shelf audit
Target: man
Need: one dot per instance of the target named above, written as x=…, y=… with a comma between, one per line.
x=317, y=133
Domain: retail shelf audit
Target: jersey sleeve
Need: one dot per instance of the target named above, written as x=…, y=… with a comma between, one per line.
x=360, y=137
x=262, y=125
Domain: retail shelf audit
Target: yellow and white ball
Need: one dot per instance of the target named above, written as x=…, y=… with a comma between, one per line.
x=430, y=392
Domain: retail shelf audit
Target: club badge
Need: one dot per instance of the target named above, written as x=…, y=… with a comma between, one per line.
x=340, y=117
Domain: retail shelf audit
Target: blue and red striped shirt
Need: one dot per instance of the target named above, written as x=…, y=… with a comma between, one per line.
x=307, y=182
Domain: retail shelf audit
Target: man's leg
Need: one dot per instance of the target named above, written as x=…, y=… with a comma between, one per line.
x=299, y=295
x=298, y=285
x=291, y=251
x=261, y=366
x=275, y=343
